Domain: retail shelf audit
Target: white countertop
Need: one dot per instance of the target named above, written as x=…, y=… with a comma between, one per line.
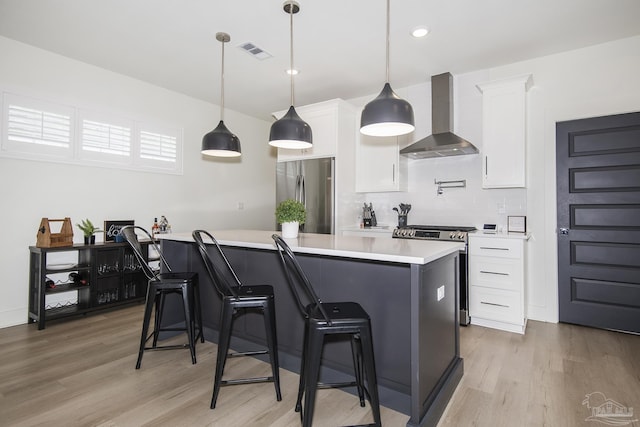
x=380, y=229
x=369, y=248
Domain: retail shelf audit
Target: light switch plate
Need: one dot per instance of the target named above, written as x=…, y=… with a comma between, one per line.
x=440, y=292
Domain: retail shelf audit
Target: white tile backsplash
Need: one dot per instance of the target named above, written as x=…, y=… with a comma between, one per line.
x=469, y=206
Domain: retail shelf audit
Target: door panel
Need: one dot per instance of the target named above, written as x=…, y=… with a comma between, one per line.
x=598, y=190
x=619, y=217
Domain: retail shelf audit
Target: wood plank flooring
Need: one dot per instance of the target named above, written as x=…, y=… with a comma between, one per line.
x=542, y=378
x=81, y=372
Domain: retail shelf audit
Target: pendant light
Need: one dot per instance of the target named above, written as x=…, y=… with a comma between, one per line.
x=220, y=142
x=290, y=131
x=388, y=114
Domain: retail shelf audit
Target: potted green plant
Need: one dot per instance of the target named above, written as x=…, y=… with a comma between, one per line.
x=89, y=230
x=290, y=213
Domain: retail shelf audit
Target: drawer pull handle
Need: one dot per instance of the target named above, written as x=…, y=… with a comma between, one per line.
x=494, y=272
x=494, y=249
x=493, y=303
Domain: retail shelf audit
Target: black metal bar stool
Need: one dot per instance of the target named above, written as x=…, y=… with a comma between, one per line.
x=236, y=299
x=329, y=318
x=159, y=286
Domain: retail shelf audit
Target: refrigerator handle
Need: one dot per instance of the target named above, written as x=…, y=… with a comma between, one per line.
x=296, y=192
x=303, y=192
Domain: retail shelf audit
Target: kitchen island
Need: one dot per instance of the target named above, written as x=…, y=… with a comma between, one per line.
x=408, y=287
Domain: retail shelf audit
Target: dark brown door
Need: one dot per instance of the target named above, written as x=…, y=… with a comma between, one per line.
x=598, y=189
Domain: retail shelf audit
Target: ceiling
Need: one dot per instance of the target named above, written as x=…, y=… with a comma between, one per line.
x=339, y=45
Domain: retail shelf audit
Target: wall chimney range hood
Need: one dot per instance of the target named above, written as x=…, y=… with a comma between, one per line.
x=443, y=142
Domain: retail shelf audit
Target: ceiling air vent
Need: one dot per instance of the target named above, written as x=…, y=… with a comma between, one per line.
x=255, y=51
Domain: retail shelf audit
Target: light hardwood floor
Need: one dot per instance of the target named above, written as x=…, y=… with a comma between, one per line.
x=81, y=372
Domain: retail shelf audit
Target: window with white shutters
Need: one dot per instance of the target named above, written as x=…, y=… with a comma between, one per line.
x=32, y=126
x=41, y=130
x=155, y=146
x=106, y=138
x=159, y=148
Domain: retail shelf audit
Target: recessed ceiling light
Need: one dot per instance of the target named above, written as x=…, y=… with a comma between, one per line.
x=420, y=31
x=292, y=72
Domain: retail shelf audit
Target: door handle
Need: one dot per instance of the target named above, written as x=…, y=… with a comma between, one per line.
x=564, y=231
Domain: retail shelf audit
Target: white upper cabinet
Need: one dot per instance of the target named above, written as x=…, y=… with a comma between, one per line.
x=332, y=122
x=379, y=165
x=504, y=132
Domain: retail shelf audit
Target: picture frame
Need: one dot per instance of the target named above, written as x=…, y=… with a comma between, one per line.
x=517, y=224
x=112, y=229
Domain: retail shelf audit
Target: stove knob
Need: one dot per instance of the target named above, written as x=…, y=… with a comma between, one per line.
x=412, y=232
x=460, y=236
x=452, y=235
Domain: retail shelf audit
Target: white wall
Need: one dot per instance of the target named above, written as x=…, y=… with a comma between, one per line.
x=205, y=196
x=595, y=81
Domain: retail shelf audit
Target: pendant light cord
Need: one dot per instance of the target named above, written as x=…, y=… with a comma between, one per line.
x=291, y=46
x=388, y=8
x=222, y=86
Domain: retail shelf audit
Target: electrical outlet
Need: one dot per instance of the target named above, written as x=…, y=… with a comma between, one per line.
x=440, y=292
x=240, y=206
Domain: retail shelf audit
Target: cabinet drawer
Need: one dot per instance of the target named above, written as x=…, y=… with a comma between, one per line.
x=496, y=273
x=495, y=247
x=496, y=304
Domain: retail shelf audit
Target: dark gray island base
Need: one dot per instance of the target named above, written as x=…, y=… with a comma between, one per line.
x=415, y=334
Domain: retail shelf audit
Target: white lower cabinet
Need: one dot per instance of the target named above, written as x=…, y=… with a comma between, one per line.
x=497, y=282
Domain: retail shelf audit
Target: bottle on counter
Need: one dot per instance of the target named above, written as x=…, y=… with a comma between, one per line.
x=155, y=228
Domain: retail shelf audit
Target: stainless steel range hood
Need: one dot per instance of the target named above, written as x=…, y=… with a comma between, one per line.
x=443, y=142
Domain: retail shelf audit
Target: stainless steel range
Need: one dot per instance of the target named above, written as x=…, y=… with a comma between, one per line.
x=441, y=232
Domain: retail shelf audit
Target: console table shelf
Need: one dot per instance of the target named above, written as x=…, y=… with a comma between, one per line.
x=106, y=276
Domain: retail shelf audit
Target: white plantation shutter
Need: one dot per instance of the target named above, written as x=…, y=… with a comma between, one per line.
x=155, y=146
x=106, y=138
x=32, y=126
x=159, y=147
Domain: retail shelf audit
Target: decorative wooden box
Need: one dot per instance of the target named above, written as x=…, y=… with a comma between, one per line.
x=47, y=239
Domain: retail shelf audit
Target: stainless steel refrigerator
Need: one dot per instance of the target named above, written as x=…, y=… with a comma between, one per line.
x=310, y=182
